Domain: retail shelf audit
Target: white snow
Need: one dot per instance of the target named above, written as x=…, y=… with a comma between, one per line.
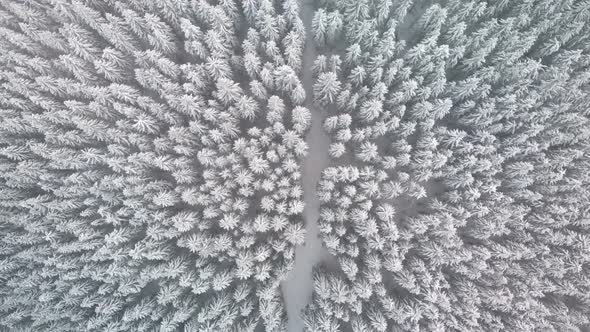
x=297, y=289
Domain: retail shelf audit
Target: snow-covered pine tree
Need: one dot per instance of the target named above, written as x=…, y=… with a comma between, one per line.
x=465, y=210
x=136, y=143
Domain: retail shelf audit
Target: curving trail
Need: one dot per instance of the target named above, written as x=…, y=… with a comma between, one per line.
x=297, y=288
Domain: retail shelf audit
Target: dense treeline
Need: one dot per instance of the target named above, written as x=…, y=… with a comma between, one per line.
x=149, y=163
x=458, y=200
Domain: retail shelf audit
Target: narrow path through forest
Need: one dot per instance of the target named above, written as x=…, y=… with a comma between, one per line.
x=297, y=289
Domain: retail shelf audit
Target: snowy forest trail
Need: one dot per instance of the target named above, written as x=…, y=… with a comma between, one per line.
x=297, y=289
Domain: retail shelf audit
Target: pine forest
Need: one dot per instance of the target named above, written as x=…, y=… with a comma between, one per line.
x=295, y=165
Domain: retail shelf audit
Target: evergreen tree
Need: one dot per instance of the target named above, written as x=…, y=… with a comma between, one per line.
x=460, y=113
x=135, y=145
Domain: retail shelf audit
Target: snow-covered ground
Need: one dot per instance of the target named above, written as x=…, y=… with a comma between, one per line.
x=297, y=289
